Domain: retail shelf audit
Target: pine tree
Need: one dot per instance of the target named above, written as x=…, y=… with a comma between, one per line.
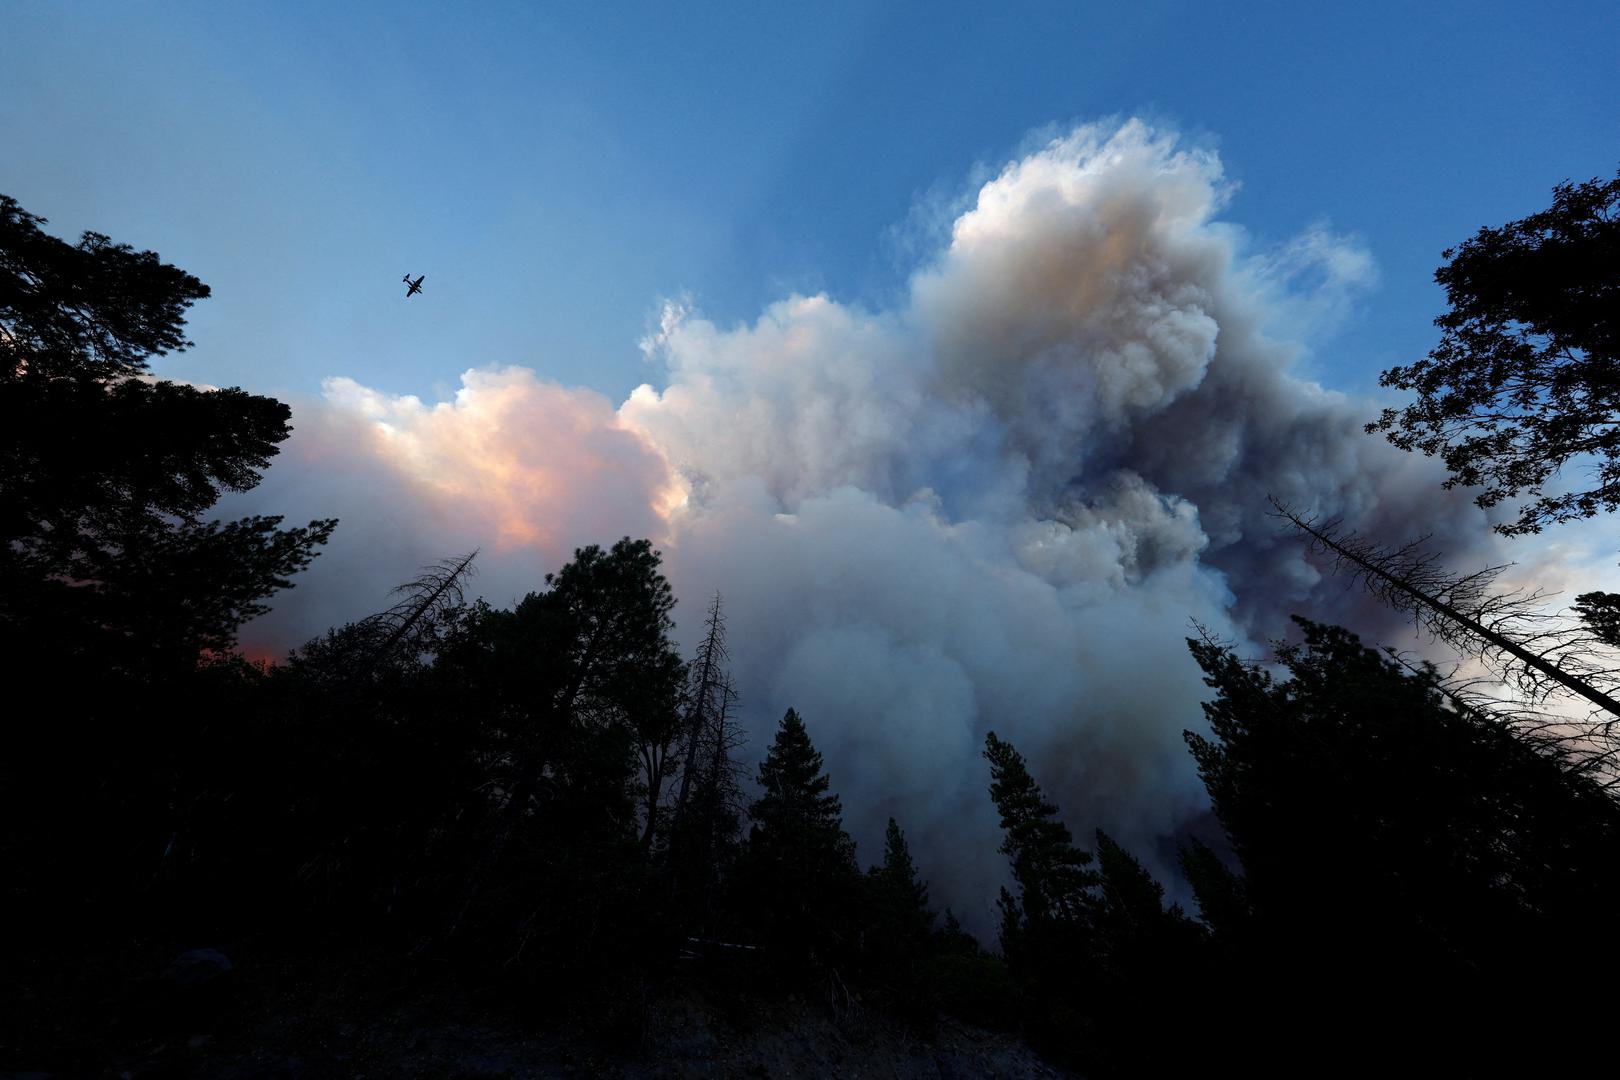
x=900, y=894
x=799, y=864
x=1137, y=949
x=568, y=676
x=1131, y=898
x=898, y=928
x=1223, y=905
x=1047, y=931
x=704, y=841
x=1521, y=393
x=120, y=592
x=1505, y=629
x=1050, y=871
x=797, y=804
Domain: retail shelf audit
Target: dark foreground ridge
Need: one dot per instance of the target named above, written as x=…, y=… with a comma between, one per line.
x=274, y=1018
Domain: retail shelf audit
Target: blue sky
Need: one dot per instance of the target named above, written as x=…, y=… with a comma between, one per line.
x=556, y=169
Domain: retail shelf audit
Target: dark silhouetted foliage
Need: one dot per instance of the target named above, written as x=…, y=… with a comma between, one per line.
x=797, y=874
x=107, y=563
x=1053, y=880
x=898, y=929
x=1406, y=867
x=1524, y=381
x=118, y=598
x=1600, y=611
x=1046, y=929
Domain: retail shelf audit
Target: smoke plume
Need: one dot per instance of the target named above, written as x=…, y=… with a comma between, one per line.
x=995, y=507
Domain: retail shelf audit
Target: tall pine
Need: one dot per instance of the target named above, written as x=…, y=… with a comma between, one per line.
x=1051, y=873
x=1047, y=929
x=799, y=868
x=899, y=928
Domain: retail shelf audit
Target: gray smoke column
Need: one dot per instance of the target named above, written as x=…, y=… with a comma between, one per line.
x=996, y=507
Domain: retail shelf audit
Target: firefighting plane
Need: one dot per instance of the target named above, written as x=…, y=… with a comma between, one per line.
x=413, y=287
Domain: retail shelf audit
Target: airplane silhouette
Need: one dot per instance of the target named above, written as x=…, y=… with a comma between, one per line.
x=413, y=287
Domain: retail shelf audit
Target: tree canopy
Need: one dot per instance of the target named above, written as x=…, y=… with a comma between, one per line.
x=1526, y=378
x=106, y=474
x=1401, y=858
x=1051, y=872
x=798, y=866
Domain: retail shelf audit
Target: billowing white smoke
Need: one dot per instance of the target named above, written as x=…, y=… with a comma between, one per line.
x=995, y=508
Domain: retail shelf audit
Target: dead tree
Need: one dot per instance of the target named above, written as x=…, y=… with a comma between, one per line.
x=707, y=836
x=1535, y=650
x=658, y=733
x=1537, y=653
x=424, y=600
x=708, y=674
x=403, y=634
x=709, y=803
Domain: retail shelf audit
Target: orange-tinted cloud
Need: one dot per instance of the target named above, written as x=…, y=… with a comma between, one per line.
x=537, y=462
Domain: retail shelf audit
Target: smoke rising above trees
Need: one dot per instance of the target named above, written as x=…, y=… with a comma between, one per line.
x=483, y=788
x=993, y=504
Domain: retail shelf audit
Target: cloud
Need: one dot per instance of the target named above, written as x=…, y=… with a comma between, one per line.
x=515, y=465
x=994, y=507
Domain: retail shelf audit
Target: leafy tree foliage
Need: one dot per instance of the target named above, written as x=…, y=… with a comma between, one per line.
x=97, y=309
x=1524, y=379
x=562, y=685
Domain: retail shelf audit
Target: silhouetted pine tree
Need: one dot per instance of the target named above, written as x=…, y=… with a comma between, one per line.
x=1223, y=904
x=898, y=929
x=1130, y=897
x=798, y=868
x=899, y=896
x=1047, y=929
x=109, y=563
x=1139, y=949
x=1051, y=872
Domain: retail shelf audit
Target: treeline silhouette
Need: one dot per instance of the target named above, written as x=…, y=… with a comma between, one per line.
x=550, y=801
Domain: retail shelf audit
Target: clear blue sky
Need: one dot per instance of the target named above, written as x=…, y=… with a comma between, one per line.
x=555, y=169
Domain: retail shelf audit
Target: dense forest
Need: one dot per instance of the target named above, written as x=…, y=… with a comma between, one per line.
x=549, y=806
